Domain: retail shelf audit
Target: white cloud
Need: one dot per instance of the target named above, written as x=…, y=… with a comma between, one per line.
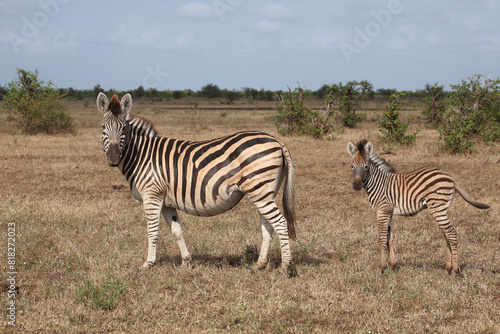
x=185, y=39
x=118, y=34
x=474, y=24
x=275, y=12
x=61, y=42
x=266, y=26
x=151, y=36
x=41, y=43
x=321, y=38
x=197, y=10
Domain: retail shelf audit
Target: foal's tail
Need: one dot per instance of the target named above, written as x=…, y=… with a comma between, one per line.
x=466, y=197
x=289, y=193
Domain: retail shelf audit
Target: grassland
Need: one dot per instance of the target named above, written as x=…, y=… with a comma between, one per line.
x=81, y=237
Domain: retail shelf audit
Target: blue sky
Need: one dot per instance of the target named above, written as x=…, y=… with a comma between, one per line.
x=241, y=43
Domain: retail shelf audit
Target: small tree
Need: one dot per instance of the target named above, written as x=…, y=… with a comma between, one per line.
x=474, y=114
x=435, y=104
x=211, y=91
x=392, y=128
x=347, y=99
x=40, y=106
x=294, y=117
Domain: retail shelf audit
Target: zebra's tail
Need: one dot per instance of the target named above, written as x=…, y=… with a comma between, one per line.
x=289, y=194
x=466, y=197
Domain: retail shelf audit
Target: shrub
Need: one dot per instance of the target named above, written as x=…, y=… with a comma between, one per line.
x=392, y=128
x=293, y=117
x=435, y=103
x=347, y=100
x=473, y=114
x=40, y=107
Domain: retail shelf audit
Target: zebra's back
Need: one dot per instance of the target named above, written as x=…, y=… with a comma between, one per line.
x=410, y=192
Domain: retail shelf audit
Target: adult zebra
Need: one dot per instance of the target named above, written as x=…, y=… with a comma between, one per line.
x=406, y=194
x=200, y=178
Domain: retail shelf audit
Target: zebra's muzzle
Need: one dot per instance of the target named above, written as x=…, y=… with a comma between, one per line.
x=113, y=155
x=358, y=183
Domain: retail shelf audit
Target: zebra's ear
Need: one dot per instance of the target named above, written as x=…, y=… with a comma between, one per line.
x=126, y=103
x=369, y=148
x=351, y=149
x=102, y=102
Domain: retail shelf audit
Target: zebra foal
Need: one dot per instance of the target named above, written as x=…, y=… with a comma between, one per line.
x=406, y=194
x=200, y=178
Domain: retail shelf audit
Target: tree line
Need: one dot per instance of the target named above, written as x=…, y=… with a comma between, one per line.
x=467, y=114
x=213, y=91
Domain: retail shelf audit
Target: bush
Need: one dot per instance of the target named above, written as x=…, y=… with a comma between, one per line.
x=473, y=114
x=392, y=128
x=40, y=107
x=347, y=100
x=434, y=99
x=293, y=117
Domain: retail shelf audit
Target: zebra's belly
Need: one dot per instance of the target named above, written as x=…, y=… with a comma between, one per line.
x=408, y=210
x=210, y=208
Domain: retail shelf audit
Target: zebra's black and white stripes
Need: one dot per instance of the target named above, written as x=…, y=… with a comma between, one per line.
x=406, y=194
x=200, y=178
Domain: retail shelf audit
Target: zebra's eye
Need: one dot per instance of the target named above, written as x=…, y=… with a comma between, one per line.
x=365, y=167
x=103, y=126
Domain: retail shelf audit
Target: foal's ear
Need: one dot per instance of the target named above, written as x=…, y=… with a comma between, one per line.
x=351, y=149
x=126, y=103
x=369, y=148
x=102, y=102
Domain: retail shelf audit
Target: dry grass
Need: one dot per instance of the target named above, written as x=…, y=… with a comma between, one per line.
x=81, y=238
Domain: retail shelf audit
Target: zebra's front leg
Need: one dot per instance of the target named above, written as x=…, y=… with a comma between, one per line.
x=172, y=219
x=267, y=237
x=152, y=209
x=383, y=219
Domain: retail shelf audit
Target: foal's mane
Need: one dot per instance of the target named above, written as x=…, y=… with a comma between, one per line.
x=379, y=162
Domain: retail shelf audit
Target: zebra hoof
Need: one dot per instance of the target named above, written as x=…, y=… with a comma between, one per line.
x=260, y=265
x=146, y=266
x=187, y=262
x=290, y=271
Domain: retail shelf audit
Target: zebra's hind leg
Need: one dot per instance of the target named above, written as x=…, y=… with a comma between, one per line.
x=273, y=216
x=267, y=237
x=390, y=244
x=172, y=219
x=440, y=214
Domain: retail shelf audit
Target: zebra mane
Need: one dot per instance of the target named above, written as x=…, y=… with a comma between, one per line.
x=141, y=126
x=381, y=164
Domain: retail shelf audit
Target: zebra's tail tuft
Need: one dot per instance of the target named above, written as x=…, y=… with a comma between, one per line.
x=466, y=197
